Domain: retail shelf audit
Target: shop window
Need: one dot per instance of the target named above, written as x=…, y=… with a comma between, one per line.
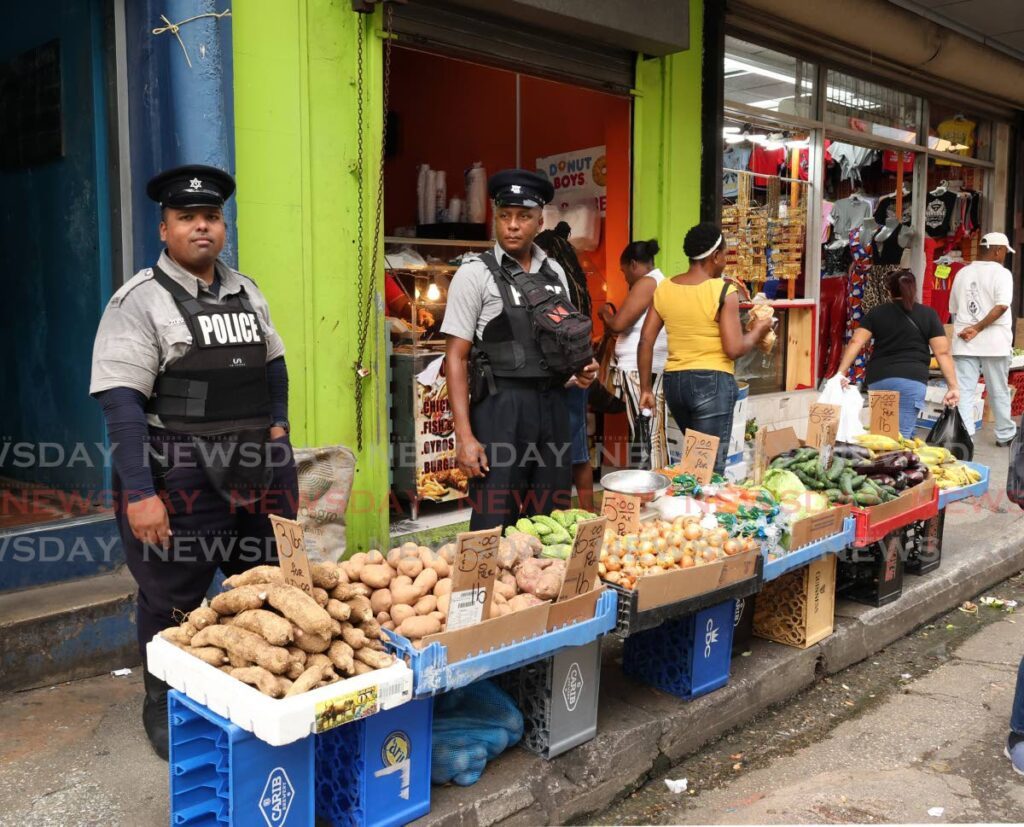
x=952, y=130
x=863, y=106
x=769, y=80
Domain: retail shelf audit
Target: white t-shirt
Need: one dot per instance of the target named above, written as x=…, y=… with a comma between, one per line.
x=629, y=340
x=978, y=288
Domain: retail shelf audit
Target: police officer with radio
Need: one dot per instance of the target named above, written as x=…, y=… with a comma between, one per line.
x=515, y=344
x=192, y=380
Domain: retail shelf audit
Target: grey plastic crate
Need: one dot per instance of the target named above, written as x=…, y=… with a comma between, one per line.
x=558, y=698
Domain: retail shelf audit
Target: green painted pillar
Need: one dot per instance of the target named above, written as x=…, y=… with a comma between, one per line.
x=667, y=146
x=296, y=145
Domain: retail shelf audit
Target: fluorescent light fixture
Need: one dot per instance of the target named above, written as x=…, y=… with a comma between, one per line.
x=757, y=139
x=727, y=129
x=734, y=66
x=798, y=143
x=735, y=139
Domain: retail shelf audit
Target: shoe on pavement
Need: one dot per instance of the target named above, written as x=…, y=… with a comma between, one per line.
x=1003, y=443
x=154, y=713
x=1015, y=752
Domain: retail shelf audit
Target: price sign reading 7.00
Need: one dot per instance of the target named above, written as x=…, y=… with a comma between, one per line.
x=699, y=454
x=885, y=413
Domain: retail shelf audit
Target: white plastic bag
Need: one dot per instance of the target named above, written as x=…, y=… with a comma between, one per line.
x=850, y=404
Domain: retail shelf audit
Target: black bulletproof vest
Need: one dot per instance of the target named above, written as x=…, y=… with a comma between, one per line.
x=508, y=340
x=220, y=384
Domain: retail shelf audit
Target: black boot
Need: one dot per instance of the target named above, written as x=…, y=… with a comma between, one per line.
x=154, y=712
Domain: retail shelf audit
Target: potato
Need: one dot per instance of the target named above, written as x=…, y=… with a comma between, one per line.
x=425, y=581
x=394, y=556
x=241, y=643
x=299, y=608
x=447, y=553
x=177, y=635
x=410, y=566
x=502, y=610
x=523, y=601
x=257, y=574
x=400, y=611
x=498, y=598
x=338, y=610
x=440, y=565
x=202, y=617
x=390, y=625
x=238, y=600
x=361, y=609
x=380, y=601
x=341, y=655
x=263, y=680
x=325, y=575
x=406, y=594
x=377, y=576
x=442, y=604
x=271, y=627
x=444, y=586
x=425, y=605
x=374, y=558
x=311, y=644
x=417, y=627
x=382, y=617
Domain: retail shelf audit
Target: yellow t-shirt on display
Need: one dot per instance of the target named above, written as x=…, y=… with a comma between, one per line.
x=688, y=310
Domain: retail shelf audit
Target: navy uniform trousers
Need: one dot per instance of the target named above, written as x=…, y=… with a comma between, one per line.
x=208, y=533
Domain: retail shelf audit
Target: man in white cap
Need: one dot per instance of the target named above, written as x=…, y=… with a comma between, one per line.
x=983, y=336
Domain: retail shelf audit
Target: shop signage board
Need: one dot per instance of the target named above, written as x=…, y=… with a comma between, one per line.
x=476, y=566
x=291, y=553
x=438, y=477
x=885, y=413
x=577, y=175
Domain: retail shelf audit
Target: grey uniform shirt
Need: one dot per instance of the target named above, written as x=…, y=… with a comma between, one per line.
x=474, y=298
x=142, y=330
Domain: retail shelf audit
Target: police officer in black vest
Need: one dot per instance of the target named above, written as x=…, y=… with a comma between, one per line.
x=192, y=379
x=514, y=344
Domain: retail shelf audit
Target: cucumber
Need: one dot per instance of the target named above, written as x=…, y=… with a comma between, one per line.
x=863, y=498
x=833, y=494
x=857, y=481
x=837, y=469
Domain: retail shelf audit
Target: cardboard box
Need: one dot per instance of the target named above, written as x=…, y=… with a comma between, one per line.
x=909, y=499
x=494, y=633
x=672, y=586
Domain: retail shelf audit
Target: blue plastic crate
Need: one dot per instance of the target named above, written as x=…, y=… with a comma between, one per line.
x=686, y=657
x=812, y=551
x=951, y=495
x=221, y=774
x=376, y=772
x=432, y=674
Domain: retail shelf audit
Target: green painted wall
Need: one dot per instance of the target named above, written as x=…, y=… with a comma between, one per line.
x=297, y=166
x=667, y=146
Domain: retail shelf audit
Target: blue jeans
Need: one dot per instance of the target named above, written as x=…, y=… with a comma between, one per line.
x=995, y=369
x=911, y=400
x=704, y=401
x=1017, y=713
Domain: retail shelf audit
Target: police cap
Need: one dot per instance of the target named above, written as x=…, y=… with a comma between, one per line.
x=193, y=185
x=520, y=188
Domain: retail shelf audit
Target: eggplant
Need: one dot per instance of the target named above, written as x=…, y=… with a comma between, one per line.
x=848, y=451
x=914, y=476
x=901, y=481
x=883, y=479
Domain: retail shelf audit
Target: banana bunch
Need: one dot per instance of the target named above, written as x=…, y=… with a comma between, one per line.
x=933, y=456
x=955, y=475
x=878, y=443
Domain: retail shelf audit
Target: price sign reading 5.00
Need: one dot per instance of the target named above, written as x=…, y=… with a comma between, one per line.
x=476, y=565
x=622, y=512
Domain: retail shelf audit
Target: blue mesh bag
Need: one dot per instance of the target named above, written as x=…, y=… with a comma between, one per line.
x=472, y=726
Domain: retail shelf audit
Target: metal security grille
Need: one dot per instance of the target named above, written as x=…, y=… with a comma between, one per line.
x=848, y=97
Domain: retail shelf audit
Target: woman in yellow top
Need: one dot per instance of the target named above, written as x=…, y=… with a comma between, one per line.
x=700, y=312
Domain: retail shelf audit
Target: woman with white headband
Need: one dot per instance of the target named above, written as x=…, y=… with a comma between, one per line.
x=700, y=312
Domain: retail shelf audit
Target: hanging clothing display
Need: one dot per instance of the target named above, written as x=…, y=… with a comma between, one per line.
x=939, y=212
x=848, y=213
x=855, y=304
x=766, y=162
x=832, y=322
x=891, y=158
x=851, y=158
x=959, y=132
x=876, y=287
x=737, y=159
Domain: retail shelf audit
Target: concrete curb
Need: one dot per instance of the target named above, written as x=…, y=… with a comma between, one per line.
x=642, y=732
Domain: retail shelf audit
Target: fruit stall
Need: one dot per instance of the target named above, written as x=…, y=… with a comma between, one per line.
x=341, y=691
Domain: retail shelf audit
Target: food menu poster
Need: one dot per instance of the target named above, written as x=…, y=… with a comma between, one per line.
x=438, y=477
x=577, y=175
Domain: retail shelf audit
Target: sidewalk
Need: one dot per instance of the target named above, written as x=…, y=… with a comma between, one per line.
x=75, y=754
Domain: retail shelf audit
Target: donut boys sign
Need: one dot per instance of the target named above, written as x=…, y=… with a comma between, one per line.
x=577, y=175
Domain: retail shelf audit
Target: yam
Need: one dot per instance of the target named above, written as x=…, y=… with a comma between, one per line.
x=335, y=627
x=338, y=610
x=244, y=644
x=320, y=596
x=312, y=644
x=341, y=655
x=380, y=601
x=300, y=609
x=425, y=605
x=323, y=662
x=361, y=668
x=325, y=575
x=241, y=599
x=376, y=645
x=212, y=655
x=410, y=567
x=257, y=574
x=202, y=617
x=306, y=681
x=345, y=591
x=354, y=637
x=377, y=576
x=417, y=627
x=425, y=582
x=237, y=661
x=227, y=667
x=361, y=609
x=401, y=611
x=371, y=628
x=390, y=625
x=297, y=662
x=271, y=627
x=259, y=677
x=375, y=660
x=177, y=635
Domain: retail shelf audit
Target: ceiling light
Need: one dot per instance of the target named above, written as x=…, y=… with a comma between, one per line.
x=433, y=293
x=735, y=139
x=728, y=129
x=798, y=143
x=757, y=139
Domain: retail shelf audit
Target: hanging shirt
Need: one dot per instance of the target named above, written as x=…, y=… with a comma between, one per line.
x=733, y=157
x=978, y=288
x=886, y=210
x=959, y=132
x=938, y=214
x=767, y=161
x=850, y=159
x=805, y=159
x=847, y=213
x=890, y=161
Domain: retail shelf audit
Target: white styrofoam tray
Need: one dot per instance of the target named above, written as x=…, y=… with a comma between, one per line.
x=277, y=721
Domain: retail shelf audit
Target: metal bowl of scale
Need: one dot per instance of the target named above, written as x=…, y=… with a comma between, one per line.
x=647, y=485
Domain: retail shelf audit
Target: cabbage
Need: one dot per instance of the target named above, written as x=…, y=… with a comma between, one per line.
x=810, y=503
x=782, y=484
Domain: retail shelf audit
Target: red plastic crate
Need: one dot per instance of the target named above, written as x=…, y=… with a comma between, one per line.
x=1017, y=381
x=870, y=530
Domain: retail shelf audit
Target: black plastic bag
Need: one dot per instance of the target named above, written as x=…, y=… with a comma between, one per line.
x=1015, y=473
x=641, y=450
x=951, y=433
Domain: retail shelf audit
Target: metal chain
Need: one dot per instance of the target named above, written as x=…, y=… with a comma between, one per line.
x=365, y=279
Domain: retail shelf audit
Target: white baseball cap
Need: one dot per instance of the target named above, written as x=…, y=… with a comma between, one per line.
x=996, y=240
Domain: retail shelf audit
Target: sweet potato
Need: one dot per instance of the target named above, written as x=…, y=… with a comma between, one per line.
x=257, y=574
x=361, y=668
x=417, y=627
x=325, y=575
x=410, y=566
x=523, y=601
x=361, y=609
x=271, y=627
x=380, y=601
x=240, y=599
x=400, y=611
x=507, y=577
x=354, y=637
x=425, y=582
x=338, y=610
x=212, y=655
x=341, y=655
x=241, y=643
x=425, y=605
x=312, y=644
x=377, y=576
x=335, y=628
x=540, y=578
x=300, y=609
x=373, y=659
x=259, y=677
x=306, y=681
x=504, y=589
x=202, y=617
x=237, y=661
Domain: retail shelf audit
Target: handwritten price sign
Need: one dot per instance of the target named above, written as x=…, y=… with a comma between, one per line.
x=885, y=413
x=476, y=566
x=820, y=418
x=699, y=454
x=622, y=512
x=581, y=570
x=291, y=553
